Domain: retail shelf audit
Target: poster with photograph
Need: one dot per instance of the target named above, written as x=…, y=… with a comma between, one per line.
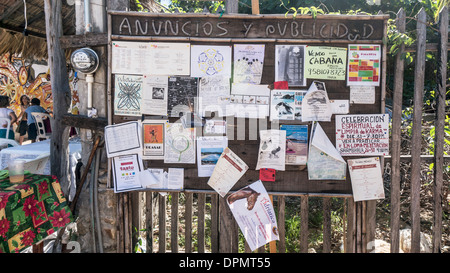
x=366, y=178
x=182, y=96
x=209, y=150
x=126, y=169
x=299, y=95
x=153, y=134
x=123, y=138
x=362, y=134
x=179, y=144
x=364, y=62
x=249, y=100
x=272, y=149
x=248, y=63
x=290, y=64
x=213, y=95
x=282, y=105
x=169, y=59
x=228, y=170
x=324, y=161
x=296, y=144
x=210, y=60
x=325, y=62
x=315, y=104
x=253, y=211
x=127, y=95
x=126, y=58
x=154, y=95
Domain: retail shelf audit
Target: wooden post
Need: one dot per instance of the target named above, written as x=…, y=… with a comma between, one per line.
x=231, y=6
x=255, y=6
x=439, y=127
x=59, y=143
x=419, y=78
x=396, y=139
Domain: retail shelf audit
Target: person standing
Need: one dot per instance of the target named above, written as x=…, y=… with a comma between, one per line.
x=22, y=118
x=5, y=112
x=32, y=128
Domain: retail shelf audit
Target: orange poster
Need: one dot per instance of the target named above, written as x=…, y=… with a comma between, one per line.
x=153, y=136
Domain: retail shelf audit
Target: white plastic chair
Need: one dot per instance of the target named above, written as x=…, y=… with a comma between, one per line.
x=4, y=141
x=40, y=126
x=8, y=126
x=37, y=165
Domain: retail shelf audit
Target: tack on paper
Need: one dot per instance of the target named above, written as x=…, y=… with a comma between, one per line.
x=127, y=95
x=272, y=150
x=179, y=144
x=290, y=64
x=315, y=104
x=325, y=62
x=228, y=170
x=324, y=161
x=362, y=134
x=123, y=138
x=170, y=59
x=130, y=58
x=126, y=172
x=214, y=95
x=248, y=63
x=366, y=178
x=249, y=100
x=296, y=144
x=362, y=94
x=153, y=135
x=154, y=95
x=364, y=64
x=210, y=60
x=253, y=211
x=209, y=150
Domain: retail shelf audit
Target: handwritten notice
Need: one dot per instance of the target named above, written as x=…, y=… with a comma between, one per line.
x=362, y=134
x=324, y=62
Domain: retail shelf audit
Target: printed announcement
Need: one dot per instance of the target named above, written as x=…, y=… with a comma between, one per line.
x=362, y=134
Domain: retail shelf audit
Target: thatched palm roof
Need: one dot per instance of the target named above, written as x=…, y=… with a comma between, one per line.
x=12, y=25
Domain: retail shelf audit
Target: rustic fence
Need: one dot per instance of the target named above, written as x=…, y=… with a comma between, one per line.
x=216, y=231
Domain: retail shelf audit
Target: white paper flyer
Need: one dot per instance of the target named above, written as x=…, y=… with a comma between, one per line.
x=366, y=177
x=254, y=213
x=209, y=150
x=228, y=170
x=126, y=172
x=272, y=150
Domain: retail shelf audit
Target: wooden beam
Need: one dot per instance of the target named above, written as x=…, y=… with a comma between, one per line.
x=85, y=122
x=59, y=144
x=83, y=40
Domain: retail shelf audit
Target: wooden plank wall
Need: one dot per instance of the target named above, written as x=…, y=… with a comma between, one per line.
x=360, y=217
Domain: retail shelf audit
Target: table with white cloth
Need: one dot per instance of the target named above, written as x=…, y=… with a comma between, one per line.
x=40, y=149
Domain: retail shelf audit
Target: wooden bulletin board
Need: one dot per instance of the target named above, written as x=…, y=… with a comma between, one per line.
x=270, y=30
